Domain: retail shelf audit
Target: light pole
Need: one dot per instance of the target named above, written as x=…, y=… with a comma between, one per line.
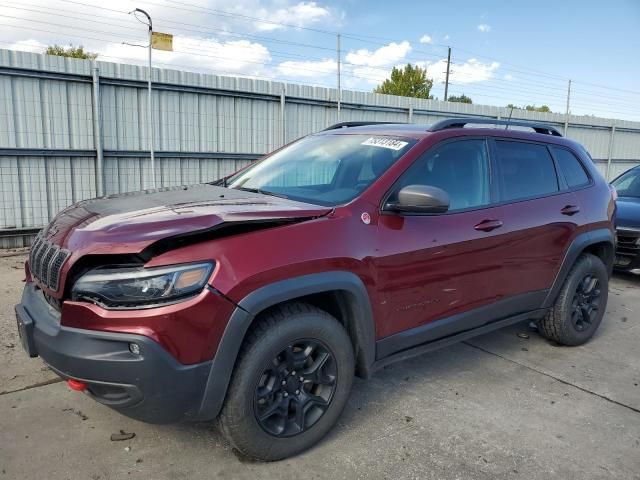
x=149, y=98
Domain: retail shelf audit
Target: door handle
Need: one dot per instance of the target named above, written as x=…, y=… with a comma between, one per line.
x=488, y=225
x=570, y=210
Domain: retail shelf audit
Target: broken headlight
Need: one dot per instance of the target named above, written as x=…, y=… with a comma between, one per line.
x=139, y=287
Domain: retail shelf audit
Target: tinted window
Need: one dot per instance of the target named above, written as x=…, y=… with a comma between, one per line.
x=459, y=168
x=571, y=168
x=526, y=170
x=628, y=184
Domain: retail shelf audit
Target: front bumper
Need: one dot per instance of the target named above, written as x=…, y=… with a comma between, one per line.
x=151, y=386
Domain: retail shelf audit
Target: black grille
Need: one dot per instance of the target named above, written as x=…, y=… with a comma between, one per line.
x=46, y=261
x=628, y=244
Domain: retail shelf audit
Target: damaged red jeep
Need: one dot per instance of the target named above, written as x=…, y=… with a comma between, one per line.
x=255, y=299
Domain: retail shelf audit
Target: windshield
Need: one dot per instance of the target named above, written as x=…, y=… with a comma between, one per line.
x=324, y=169
x=628, y=184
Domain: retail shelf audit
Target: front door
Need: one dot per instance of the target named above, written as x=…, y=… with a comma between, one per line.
x=434, y=267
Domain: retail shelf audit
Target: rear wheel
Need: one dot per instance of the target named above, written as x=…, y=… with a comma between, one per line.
x=581, y=304
x=291, y=383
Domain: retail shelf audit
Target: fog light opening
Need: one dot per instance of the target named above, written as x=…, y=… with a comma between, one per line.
x=134, y=348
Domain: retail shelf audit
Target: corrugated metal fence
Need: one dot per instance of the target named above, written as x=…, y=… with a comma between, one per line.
x=72, y=129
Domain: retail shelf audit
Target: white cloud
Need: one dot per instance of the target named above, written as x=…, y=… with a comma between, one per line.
x=509, y=77
x=484, y=28
x=426, y=39
x=383, y=56
x=30, y=45
x=447, y=37
x=207, y=48
x=299, y=15
x=471, y=71
x=308, y=68
x=371, y=75
x=240, y=57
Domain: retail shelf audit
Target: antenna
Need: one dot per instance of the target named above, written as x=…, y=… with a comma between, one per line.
x=509, y=119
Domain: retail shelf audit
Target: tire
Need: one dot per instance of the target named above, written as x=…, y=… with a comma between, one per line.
x=580, y=306
x=295, y=335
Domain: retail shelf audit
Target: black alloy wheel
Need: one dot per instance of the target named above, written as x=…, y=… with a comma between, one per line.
x=580, y=305
x=586, y=303
x=295, y=388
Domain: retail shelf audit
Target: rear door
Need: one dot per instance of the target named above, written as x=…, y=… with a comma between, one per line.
x=539, y=214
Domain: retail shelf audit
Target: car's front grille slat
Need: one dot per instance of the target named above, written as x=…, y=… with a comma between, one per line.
x=46, y=261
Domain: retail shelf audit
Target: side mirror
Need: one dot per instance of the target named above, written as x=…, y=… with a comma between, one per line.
x=421, y=199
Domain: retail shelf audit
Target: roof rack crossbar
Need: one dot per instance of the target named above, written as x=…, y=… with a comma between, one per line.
x=461, y=122
x=340, y=125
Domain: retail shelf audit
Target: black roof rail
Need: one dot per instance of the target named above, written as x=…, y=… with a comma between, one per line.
x=337, y=126
x=461, y=122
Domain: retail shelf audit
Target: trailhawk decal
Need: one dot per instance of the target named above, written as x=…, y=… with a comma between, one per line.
x=384, y=142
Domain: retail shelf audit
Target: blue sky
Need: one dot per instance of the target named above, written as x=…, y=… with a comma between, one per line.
x=502, y=51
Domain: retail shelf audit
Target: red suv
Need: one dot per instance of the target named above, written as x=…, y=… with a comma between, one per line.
x=255, y=299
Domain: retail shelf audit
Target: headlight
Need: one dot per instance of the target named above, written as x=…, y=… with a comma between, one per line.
x=139, y=287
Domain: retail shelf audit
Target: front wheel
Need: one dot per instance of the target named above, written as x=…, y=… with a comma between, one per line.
x=291, y=382
x=580, y=306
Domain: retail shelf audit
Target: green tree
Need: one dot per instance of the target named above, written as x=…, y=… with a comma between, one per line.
x=460, y=99
x=411, y=81
x=531, y=108
x=72, y=52
x=542, y=108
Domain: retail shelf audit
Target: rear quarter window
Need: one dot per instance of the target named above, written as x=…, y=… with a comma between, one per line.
x=525, y=170
x=571, y=168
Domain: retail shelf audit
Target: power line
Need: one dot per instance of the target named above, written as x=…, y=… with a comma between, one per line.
x=218, y=12
x=213, y=11
x=356, y=37
x=507, y=86
x=130, y=26
x=193, y=52
x=203, y=53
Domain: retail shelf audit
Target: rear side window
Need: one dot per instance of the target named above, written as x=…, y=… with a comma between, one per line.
x=526, y=170
x=570, y=167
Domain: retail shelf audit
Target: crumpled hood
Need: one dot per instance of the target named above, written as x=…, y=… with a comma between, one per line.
x=130, y=222
x=628, y=212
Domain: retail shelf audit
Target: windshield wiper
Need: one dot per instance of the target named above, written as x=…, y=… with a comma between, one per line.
x=263, y=192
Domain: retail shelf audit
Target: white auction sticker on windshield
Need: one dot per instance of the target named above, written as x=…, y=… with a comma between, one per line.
x=385, y=142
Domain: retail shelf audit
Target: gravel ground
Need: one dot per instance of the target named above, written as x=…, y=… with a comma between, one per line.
x=498, y=406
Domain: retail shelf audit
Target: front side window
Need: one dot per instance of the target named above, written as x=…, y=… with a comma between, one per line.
x=323, y=169
x=628, y=184
x=460, y=168
x=525, y=169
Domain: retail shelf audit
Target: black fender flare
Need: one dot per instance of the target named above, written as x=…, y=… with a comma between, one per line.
x=579, y=244
x=361, y=327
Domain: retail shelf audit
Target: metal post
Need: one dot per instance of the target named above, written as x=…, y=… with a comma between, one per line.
x=410, y=120
x=566, y=118
x=150, y=107
x=446, y=82
x=610, y=154
x=97, y=131
x=150, y=99
x=282, y=118
x=338, y=64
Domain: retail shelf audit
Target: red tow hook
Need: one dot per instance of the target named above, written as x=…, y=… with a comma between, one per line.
x=77, y=385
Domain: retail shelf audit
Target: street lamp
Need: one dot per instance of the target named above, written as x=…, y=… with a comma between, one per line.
x=149, y=98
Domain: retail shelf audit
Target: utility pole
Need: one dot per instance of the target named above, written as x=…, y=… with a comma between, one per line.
x=338, y=63
x=446, y=82
x=566, y=118
x=149, y=100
